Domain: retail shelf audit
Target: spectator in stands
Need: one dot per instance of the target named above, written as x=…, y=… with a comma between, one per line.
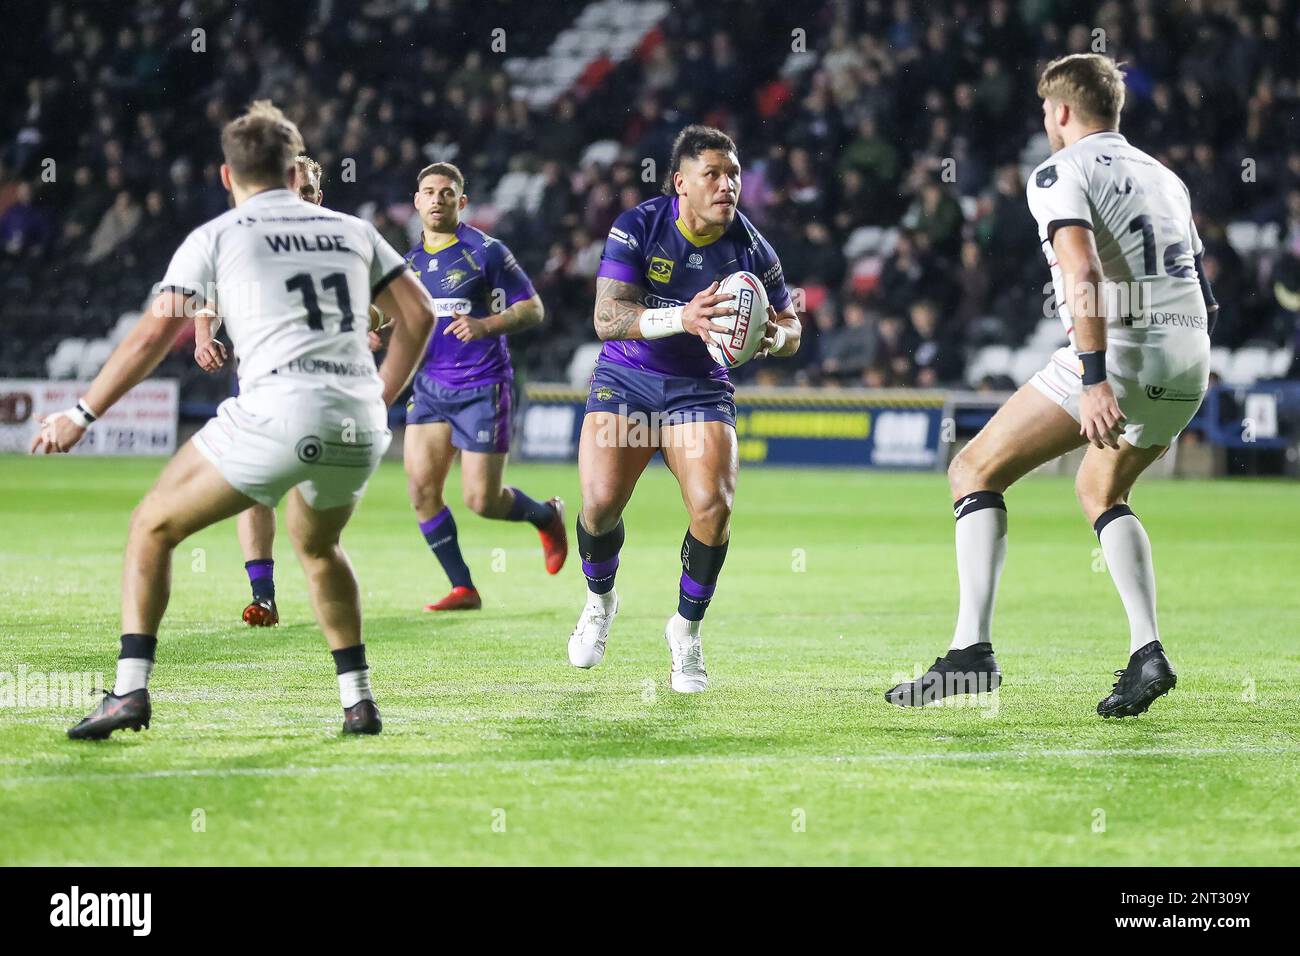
x=115, y=227
x=936, y=357
x=974, y=284
x=23, y=228
x=826, y=137
x=846, y=350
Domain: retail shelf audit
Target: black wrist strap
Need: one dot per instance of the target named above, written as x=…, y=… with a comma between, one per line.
x=1094, y=366
x=85, y=410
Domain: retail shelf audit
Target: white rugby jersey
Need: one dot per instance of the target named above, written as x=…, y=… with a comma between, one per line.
x=1141, y=216
x=293, y=283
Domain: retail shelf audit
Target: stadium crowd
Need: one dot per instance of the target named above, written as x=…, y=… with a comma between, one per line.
x=884, y=145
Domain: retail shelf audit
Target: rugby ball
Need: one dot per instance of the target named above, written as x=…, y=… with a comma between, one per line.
x=735, y=348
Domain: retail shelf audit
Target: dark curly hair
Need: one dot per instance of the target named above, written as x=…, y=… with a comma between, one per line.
x=689, y=143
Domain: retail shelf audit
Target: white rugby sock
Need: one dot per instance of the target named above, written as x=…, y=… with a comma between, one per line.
x=132, y=674
x=981, y=551
x=354, y=686
x=1127, y=548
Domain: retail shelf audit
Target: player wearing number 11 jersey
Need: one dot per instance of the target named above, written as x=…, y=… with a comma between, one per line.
x=1116, y=227
x=294, y=283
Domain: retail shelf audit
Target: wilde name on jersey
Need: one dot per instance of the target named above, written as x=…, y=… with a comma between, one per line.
x=290, y=242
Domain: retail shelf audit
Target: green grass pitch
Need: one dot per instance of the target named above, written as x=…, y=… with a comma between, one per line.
x=496, y=751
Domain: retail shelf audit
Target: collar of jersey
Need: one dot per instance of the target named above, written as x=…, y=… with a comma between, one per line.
x=269, y=193
x=692, y=238
x=1102, y=132
x=455, y=238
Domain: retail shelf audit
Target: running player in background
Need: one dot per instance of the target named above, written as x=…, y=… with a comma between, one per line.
x=462, y=394
x=311, y=419
x=256, y=526
x=1116, y=227
x=656, y=299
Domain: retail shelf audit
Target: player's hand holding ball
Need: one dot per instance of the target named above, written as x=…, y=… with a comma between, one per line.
x=750, y=328
x=708, y=304
x=465, y=328
x=773, y=336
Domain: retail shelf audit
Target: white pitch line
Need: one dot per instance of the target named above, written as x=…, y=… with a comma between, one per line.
x=469, y=766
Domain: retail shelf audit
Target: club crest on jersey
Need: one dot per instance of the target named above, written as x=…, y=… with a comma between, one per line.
x=604, y=393
x=661, y=270
x=452, y=278
x=1046, y=176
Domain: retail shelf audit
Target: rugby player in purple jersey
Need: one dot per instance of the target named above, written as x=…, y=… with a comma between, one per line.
x=462, y=394
x=656, y=388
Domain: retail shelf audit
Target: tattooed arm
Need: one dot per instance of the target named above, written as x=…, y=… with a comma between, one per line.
x=619, y=311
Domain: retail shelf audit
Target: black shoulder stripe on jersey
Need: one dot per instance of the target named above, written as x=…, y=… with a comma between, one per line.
x=388, y=277
x=1056, y=224
x=1210, y=301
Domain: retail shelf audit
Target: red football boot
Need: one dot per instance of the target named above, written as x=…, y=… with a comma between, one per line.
x=555, y=539
x=262, y=614
x=460, y=599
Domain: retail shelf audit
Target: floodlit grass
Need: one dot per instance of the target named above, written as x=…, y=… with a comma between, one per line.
x=496, y=751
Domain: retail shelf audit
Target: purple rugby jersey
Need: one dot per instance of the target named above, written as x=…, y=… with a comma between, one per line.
x=648, y=247
x=461, y=277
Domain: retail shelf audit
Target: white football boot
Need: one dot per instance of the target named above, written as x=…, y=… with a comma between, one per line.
x=683, y=636
x=587, y=642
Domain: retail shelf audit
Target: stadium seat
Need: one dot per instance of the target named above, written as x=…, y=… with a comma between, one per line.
x=1028, y=360
x=583, y=364
x=125, y=323
x=1249, y=365
x=870, y=241
x=1048, y=334
x=1249, y=238
x=990, y=360
x=603, y=152
x=1243, y=237
x=67, y=356
x=92, y=358
x=608, y=28
x=1220, y=359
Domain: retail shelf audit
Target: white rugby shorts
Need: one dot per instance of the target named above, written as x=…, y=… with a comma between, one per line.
x=264, y=456
x=1155, y=414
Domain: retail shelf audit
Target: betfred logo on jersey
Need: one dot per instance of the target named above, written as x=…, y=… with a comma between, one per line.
x=1046, y=176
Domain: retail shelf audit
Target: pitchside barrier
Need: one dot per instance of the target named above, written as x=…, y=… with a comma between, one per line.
x=1239, y=430
x=144, y=422
x=918, y=429
x=894, y=428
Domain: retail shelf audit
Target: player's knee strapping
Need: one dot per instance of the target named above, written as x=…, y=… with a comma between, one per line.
x=599, y=554
x=978, y=501
x=440, y=534
x=701, y=565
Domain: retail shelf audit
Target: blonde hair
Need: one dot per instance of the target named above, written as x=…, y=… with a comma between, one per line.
x=309, y=172
x=262, y=146
x=1089, y=83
